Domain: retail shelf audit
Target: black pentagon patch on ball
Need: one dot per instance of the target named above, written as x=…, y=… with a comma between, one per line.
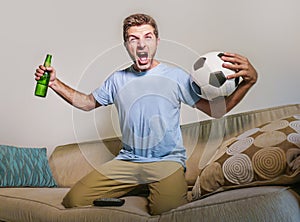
x=199, y=63
x=217, y=79
x=237, y=81
x=196, y=88
x=220, y=54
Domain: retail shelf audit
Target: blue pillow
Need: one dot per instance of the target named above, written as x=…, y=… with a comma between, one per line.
x=25, y=167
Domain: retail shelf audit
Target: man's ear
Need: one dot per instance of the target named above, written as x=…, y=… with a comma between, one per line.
x=158, y=41
x=125, y=44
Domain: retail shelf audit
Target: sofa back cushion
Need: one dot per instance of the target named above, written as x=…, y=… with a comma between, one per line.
x=69, y=163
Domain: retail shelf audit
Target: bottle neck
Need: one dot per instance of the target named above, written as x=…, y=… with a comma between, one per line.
x=47, y=62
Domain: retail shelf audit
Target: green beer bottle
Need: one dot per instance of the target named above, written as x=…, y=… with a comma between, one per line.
x=42, y=84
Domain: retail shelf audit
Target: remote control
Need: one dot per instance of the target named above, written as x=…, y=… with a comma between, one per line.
x=105, y=202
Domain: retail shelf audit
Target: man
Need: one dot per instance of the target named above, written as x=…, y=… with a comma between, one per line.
x=147, y=95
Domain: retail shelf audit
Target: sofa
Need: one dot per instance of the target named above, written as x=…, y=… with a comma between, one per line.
x=213, y=195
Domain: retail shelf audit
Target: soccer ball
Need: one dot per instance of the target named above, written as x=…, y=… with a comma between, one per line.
x=208, y=78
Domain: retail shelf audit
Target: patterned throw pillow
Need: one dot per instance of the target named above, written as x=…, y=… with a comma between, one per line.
x=267, y=155
x=24, y=167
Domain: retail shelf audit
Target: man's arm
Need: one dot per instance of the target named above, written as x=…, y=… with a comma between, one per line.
x=77, y=99
x=220, y=106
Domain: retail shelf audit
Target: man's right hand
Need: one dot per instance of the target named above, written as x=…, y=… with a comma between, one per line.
x=77, y=99
x=39, y=72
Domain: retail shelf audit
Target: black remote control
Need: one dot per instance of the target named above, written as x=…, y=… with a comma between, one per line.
x=106, y=202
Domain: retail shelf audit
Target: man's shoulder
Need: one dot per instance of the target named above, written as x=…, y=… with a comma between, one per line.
x=118, y=73
x=173, y=70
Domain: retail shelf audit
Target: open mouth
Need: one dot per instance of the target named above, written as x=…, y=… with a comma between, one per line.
x=142, y=57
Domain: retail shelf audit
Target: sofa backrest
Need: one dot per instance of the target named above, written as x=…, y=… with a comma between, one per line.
x=71, y=162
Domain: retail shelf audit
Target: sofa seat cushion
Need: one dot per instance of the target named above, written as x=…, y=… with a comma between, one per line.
x=274, y=204
x=265, y=203
x=44, y=204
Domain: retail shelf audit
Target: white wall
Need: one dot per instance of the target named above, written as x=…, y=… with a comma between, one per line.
x=85, y=39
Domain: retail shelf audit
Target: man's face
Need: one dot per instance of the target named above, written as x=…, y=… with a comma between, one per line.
x=141, y=46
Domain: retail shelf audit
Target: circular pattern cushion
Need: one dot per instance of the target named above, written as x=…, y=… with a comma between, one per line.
x=266, y=155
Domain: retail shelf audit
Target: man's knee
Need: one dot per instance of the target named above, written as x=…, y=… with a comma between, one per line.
x=77, y=197
x=68, y=201
x=73, y=199
x=169, y=193
x=164, y=205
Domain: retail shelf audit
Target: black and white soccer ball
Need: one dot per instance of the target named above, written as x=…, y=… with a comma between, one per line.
x=208, y=78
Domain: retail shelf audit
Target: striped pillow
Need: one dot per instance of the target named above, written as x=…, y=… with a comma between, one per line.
x=24, y=167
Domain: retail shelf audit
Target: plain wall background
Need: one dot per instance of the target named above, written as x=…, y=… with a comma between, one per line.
x=85, y=38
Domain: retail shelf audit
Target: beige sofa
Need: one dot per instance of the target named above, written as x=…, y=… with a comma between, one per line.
x=275, y=202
